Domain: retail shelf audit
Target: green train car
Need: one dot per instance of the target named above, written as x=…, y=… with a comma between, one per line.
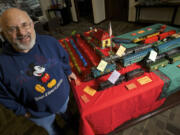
x=157, y=64
x=175, y=57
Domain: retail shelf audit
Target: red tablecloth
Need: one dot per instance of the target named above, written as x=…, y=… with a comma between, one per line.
x=111, y=107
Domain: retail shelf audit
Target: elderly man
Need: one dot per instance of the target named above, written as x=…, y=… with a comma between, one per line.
x=34, y=71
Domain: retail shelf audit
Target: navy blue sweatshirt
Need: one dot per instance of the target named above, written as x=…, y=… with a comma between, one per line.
x=36, y=81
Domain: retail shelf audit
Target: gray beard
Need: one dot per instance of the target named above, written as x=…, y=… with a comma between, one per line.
x=24, y=47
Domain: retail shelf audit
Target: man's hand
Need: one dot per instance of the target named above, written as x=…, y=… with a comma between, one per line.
x=72, y=76
x=27, y=115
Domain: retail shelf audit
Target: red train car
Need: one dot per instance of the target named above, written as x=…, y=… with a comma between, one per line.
x=166, y=34
x=151, y=40
x=161, y=36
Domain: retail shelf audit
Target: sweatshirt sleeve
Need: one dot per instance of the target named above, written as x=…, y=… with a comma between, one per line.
x=7, y=100
x=65, y=60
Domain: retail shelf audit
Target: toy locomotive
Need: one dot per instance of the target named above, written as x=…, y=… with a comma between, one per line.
x=109, y=68
x=126, y=77
x=163, y=59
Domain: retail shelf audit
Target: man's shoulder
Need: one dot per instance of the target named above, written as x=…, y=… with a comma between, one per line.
x=1, y=53
x=48, y=42
x=0, y=50
x=45, y=38
x=2, y=58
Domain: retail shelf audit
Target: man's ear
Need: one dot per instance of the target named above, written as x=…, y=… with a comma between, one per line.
x=33, y=24
x=2, y=36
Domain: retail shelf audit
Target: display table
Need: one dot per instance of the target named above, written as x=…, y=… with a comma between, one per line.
x=105, y=110
x=171, y=101
x=110, y=108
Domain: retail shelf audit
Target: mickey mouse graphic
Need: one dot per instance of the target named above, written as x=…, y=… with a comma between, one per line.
x=39, y=71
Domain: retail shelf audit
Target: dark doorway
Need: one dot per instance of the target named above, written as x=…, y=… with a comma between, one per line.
x=84, y=9
x=117, y=9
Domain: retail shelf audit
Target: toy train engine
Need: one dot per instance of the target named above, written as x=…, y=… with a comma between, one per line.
x=163, y=59
x=134, y=73
x=126, y=77
x=109, y=68
x=152, y=38
x=136, y=57
x=160, y=63
x=173, y=55
x=168, y=45
x=107, y=84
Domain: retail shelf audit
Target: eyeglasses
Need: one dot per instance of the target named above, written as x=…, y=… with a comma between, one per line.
x=24, y=26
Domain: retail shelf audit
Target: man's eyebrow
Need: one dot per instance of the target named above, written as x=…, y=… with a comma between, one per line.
x=17, y=25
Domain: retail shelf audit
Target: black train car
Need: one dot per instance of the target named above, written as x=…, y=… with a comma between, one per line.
x=173, y=55
x=160, y=63
x=174, y=58
x=137, y=48
x=163, y=59
x=134, y=73
x=128, y=76
x=107, y=84
x=149, y=61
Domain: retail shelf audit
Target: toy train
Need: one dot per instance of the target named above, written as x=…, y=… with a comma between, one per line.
x=149, y=39
x=163, y=59
x=86, y=51
x=140, y=39
x=158, y=57
x=128, y=51
x=137, y=48
x=72, y=57
x=126, y=77
x=78, y=52
x=93, y=46
x=175, y=57
x=160, y=63
x=121, y=40
x=135, y=57
x=168, y=45
x=109, y=68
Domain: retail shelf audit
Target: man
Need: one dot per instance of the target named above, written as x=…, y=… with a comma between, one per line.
x=34, y=71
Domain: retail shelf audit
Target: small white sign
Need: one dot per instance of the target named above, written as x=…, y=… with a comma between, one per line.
x=153, y=55
x=102, y=65
x=114, y=76
x=120, y=51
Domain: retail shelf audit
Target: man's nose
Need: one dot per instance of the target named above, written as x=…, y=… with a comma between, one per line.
x=20, y=31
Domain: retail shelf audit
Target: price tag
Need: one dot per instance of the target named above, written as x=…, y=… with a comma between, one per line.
x=89, y=90
x=133, y=34
x=114, y=76
x=141, y=31
x=102, y=65
x=144, y=80
x=84, y=98
x=153, y=55
x=120, y=51
x=149, y=29
x=131, y=86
